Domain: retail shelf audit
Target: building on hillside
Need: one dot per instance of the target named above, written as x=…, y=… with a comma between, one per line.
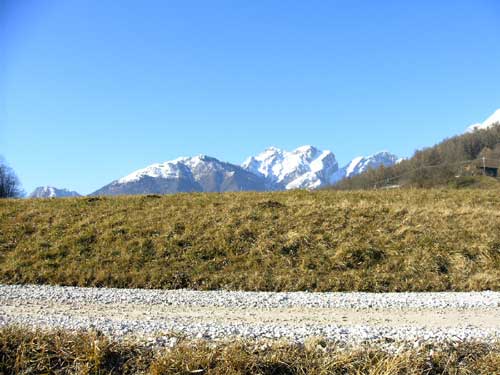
x=487, y=166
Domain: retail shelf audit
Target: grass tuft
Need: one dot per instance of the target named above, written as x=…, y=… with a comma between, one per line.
x=25, y=351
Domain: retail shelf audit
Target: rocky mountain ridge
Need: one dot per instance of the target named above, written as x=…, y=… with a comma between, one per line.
x=306, y=167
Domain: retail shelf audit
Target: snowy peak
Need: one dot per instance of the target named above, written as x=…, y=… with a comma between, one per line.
x=170, y=169
x=363, y=163
x=52, y=192
x=183, y=167
x=489, y=122
x=186, y=174
x=306, y=167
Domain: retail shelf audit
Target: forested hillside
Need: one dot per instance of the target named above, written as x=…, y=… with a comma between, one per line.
x=455, y=162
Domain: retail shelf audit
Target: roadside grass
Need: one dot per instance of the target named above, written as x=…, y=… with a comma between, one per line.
x=377, y=241
x=24, y=351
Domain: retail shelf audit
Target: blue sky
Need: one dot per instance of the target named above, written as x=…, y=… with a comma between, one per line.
x=92, y=90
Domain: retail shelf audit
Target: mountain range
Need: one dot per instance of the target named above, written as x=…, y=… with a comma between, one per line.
x=306, y=167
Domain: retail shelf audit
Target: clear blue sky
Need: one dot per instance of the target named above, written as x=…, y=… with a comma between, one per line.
x=92, y=90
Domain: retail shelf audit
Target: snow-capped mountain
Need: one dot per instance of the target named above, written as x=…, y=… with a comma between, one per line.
x=363, y=163
x=52, y=192
x=305, y=167
x=309, y=168
x=490, y=121
x=188, y=174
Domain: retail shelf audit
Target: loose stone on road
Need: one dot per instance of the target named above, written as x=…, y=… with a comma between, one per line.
x=348, y=318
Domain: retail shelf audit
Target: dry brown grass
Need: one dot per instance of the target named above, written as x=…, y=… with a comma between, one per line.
x=37, y=352
x=399, y=240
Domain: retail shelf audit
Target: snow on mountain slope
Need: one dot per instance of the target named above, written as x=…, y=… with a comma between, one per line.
x=490, y=121
x=168, y=169
x=187, y=174
x=306, y=167
x=363, y=163
x=52, y=192
x=309, y=168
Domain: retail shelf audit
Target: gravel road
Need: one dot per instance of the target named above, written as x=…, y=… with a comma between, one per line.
x=348, y=318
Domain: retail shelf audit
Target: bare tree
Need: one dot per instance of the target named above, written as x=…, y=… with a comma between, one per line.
x=10, y=186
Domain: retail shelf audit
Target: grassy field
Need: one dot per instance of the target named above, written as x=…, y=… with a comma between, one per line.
x=37, y=352
x=397, y=240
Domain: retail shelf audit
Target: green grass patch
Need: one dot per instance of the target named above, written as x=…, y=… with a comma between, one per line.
x=392, y=240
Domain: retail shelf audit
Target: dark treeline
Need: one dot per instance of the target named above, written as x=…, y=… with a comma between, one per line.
x=10, y=186
x=454, y=161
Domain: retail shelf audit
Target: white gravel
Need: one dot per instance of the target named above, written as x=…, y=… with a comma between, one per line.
x=352, y=300
x=348, y=318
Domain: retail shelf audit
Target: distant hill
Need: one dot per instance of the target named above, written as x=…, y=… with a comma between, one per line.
x=457, y=161
x=52, y=192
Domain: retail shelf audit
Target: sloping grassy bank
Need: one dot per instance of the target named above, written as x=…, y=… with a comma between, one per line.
x=37, y=352
x=398, y=240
